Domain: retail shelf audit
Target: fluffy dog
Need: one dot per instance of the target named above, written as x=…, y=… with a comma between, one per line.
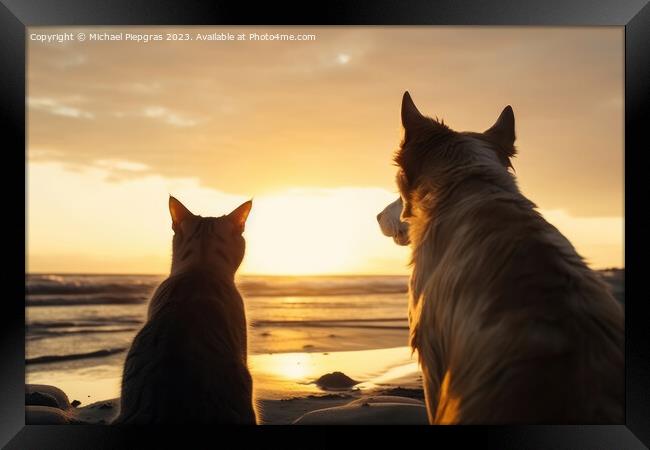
x=510, y=324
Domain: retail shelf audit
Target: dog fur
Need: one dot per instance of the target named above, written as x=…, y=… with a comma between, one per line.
x=509, y=323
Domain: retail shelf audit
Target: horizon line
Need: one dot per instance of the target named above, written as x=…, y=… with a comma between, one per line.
x=599, y=269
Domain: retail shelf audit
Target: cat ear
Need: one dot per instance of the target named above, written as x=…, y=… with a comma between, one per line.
x=178, y=212
x=239, y=215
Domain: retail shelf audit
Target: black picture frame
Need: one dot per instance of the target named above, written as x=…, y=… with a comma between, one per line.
x=16, y=15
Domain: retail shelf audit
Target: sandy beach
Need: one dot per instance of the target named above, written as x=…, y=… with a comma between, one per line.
x=321, y=349
x=333, y=348
x=291, y=388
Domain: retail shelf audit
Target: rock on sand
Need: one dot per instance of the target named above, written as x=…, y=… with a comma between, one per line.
x=46, y=405
x=336, y=380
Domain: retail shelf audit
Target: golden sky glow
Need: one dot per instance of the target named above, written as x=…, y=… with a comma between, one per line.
x=307, y=129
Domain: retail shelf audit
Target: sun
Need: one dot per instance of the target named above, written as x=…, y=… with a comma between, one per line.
x=306, y=232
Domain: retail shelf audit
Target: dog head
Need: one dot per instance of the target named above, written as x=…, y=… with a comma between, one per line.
x=433, y=158
x=392, y=225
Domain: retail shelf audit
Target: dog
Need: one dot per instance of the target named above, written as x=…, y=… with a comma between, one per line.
x=510, y=324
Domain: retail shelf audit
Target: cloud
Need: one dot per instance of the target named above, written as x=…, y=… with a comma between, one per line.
x=70, y=61
x=284, y=112
x=168, y=116
x=162, y=114
x=58, y=108
x=38, y=154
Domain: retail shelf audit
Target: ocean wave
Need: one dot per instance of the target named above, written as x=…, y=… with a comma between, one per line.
x=74, y=300
x=75, y=288
x=45, y=334
x=120, y=289
x=91, y=284
x=46, y=324
x=50, y=328
x=74, y=356
x=324, y=287
x=380, y=323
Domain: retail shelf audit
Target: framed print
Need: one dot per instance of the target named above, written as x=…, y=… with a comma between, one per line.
x=321, y=221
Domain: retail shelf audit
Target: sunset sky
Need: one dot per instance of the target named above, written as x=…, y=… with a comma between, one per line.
x=307, y=129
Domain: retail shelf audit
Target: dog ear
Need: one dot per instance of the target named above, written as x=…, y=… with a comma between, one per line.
x=239, y=216
x=178, y=211
x=503, y=130
x=412, y=120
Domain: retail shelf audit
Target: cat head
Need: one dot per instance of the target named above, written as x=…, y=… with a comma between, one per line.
x=211, y=243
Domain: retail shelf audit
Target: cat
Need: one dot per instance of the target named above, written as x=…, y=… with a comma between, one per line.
x=188, y=364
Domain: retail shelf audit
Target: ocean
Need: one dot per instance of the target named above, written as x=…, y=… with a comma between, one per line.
x=80, y=326
x=84, y=317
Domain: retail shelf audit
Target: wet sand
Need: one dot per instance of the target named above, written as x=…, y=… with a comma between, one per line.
x=386, y=388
